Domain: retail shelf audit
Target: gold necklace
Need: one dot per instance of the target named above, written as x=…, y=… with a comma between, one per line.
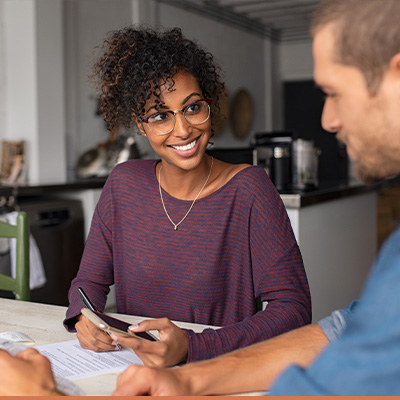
x=194, y=201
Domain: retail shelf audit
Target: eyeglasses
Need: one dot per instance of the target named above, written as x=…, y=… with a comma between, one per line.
x=163, y=122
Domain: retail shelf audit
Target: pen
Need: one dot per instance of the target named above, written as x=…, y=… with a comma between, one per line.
x=88, y=304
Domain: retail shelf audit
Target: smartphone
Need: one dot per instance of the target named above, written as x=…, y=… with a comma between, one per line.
x=114, y=325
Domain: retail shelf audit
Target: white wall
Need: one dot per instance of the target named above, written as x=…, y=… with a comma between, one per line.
x=2, y=71
x=19, y=63
x=296, y=62
x=51, y=161
x=33, y=83
x=86, y=24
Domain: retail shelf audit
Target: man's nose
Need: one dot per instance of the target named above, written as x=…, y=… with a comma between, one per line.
x=330, y=118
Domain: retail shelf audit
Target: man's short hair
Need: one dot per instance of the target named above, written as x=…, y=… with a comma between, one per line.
x=367, y=34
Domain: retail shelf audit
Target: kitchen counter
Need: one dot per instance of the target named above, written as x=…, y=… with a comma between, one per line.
x=291, y=200
x=325, y=193
x=48, y=188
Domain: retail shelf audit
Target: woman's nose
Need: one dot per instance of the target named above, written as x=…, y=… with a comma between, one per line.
x=182, y=128
x=330, y=118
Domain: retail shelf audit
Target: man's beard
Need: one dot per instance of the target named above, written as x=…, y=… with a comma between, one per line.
x=370, y=175
x=366, y=177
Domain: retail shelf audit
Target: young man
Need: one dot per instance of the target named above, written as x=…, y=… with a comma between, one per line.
x=356, y=350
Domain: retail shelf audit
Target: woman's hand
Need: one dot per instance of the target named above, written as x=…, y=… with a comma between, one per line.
x=26, y=374
x=145, y=381
x=170, y=350
x=92, y=338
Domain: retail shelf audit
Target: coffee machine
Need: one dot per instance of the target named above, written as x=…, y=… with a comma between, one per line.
x=274, y=155
x=305, y=162
x=291, y=163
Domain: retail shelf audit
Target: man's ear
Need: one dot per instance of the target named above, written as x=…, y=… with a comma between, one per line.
x=139, y=125
x=394, y=71
x=394, y=64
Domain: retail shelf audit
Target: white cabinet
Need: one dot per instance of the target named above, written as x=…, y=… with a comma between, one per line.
x=337, y=240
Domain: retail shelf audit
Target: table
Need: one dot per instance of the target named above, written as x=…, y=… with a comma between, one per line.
x=43, y=323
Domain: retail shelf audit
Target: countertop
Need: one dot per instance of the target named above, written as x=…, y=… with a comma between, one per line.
x=44, y=188
x=326, y=192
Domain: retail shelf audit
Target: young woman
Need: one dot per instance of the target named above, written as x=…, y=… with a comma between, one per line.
x=186, y=237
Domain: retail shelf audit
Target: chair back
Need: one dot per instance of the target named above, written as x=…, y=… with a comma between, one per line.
x=20, y=284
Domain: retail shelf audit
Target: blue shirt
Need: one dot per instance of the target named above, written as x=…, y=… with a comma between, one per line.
x=364, y=356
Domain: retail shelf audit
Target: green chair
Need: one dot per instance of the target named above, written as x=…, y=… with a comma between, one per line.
x=20, y=284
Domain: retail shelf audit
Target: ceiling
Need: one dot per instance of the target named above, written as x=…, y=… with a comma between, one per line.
x=281, y=20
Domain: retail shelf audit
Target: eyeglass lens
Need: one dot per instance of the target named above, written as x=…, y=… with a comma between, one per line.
x=195, y=113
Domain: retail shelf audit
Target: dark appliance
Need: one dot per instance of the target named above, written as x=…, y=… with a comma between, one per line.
x=58, y=228
x=303, y=104
x=274, y=154
x=235, y=155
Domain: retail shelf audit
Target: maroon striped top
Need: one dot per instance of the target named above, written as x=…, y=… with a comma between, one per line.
x=234, y=246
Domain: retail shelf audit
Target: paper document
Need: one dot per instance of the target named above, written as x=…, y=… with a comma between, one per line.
x=16, y=336
x=63, y=385
x=70, y=360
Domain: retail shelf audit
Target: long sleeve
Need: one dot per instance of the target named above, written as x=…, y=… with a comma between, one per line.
x=288, y=310
x=278, y=279
x=95, y=274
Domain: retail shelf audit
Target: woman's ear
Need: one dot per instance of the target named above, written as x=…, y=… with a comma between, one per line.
x=139, y=125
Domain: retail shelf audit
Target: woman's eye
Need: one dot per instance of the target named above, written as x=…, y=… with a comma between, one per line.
x=193, y=108
x=159, y=117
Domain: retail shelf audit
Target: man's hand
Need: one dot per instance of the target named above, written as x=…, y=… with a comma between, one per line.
x=26, y=374
x=250, y=369
x=170, y=350
x=143, y=381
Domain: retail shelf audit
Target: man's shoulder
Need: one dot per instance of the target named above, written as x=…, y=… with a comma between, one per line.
x=389, y=254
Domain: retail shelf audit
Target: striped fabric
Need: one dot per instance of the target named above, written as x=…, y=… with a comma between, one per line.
x=234, y=246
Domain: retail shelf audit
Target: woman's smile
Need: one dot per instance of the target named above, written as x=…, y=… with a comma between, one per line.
x=187, y=149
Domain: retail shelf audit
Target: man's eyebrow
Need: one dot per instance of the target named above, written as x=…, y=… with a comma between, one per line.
x=323, y=88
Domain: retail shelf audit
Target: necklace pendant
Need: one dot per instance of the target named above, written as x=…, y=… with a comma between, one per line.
x=194, y=200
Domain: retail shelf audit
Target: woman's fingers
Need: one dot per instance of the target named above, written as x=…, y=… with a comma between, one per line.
x=92, y=338
x=159, y=324
x=170, y=350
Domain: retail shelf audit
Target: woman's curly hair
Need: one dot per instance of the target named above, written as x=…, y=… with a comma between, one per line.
x=135, y=63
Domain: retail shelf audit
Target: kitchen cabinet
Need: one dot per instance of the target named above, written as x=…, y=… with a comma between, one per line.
x=388, y=211
x=336, y=233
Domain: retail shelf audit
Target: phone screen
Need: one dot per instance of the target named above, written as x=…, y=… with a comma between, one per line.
x=122, y=325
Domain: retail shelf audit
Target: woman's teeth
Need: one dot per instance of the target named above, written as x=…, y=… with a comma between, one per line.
x=187, y=147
